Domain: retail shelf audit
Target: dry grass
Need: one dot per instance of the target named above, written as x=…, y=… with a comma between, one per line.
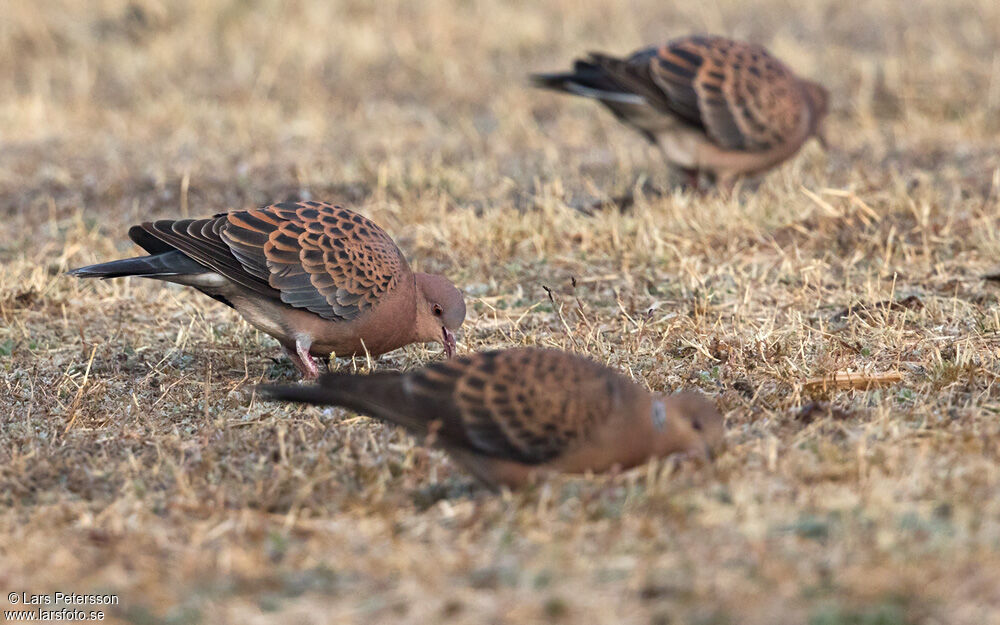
x=135, y=459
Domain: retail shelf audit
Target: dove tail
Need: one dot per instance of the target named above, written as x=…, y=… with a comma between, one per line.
x=589, y=80
x=172, y=263
x=379, y=395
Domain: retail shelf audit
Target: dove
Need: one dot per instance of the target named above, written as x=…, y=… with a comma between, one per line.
x=319, y=278
x=509, y=415
x=711, y=104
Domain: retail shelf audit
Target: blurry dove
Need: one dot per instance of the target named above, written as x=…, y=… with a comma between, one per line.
x=506, y=414
x=317, y=277
x=710, y=104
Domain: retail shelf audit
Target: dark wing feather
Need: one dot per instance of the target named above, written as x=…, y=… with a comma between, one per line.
x=311, y=255
x=675, y=69
x=526, y=405
x=447, y=394
x=198, y=239
x=744, y=98
x=323, y=258
x=632, y=75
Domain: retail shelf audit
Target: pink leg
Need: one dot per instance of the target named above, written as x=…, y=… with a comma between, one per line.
x=726, y=184
x=303, y=360
x=693, y=179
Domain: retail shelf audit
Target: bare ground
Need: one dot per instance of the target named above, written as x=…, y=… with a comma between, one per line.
x=135, y=458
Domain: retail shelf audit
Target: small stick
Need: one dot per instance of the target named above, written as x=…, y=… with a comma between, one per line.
x=79, y=392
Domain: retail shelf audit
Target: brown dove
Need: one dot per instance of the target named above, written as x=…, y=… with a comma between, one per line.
x=507, y=415
x=711, y=104
x=319, y=278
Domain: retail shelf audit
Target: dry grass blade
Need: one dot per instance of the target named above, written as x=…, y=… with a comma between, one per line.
x=71, y=418
x=911, y=302
x=853, y=380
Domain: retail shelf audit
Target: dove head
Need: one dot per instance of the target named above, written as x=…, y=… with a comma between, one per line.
x=686, y=423
x=819, y=105
x=440, y=311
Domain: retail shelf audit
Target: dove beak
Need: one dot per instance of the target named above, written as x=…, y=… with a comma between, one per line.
x=449, y=342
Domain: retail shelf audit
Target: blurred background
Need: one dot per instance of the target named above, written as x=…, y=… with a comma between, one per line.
x=135, y=459
x=115, y=102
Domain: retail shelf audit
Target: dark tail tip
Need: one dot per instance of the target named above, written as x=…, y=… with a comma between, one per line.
x=288, y=392
x=587, y=75
x=172, y=263
x=549, y=81
x=333, y=389
x=90, y=271
x=326, y=391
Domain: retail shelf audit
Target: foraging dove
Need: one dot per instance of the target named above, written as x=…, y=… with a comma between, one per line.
x=506, y=415
x=317, y=277
x=712, y=105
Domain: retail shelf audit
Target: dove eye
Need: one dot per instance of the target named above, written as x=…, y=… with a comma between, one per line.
x=438, y=311
x=696, y=424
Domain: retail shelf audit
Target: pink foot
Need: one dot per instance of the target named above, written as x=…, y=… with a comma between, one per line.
x=693, y=179
x=303, y=360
